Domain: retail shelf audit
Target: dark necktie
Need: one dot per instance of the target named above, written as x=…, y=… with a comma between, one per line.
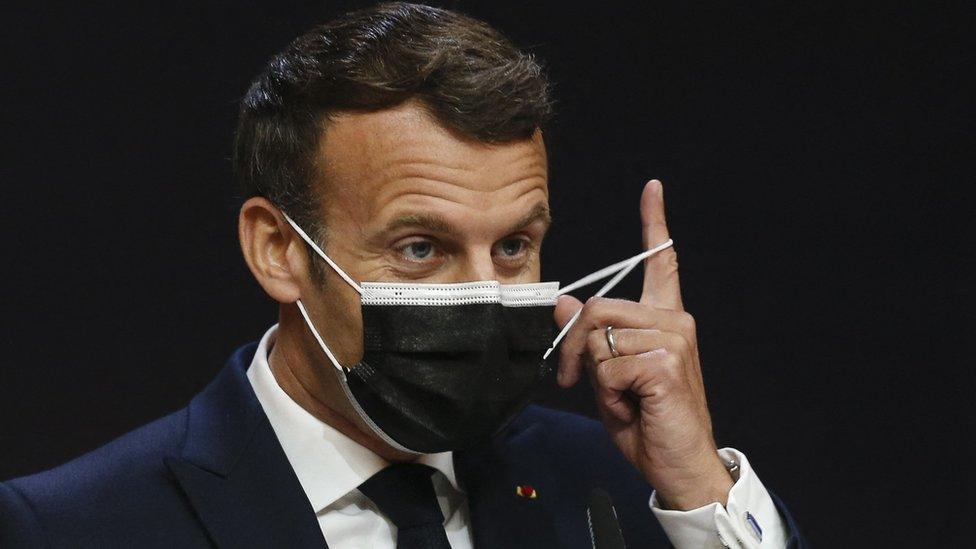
x=404, y=493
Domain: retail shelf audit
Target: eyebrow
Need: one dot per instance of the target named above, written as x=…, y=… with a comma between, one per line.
x=539, y=213
x=435, y=223
x=430, y=222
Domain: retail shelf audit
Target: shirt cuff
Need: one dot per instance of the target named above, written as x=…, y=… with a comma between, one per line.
x=749, y=519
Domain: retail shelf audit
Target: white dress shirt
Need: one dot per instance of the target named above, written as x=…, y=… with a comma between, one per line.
x=330, y=466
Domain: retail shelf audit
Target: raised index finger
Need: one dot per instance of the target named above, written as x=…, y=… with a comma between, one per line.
x=661, y=285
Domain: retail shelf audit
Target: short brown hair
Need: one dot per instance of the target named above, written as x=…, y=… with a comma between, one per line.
x=469, y=76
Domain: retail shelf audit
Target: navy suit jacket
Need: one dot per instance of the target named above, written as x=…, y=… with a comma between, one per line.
x=214, y=474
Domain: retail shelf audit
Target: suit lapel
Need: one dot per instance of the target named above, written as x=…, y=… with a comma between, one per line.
x=234, y=472
x=500, y=517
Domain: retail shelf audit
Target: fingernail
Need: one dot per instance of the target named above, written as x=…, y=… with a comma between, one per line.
x=656, y=185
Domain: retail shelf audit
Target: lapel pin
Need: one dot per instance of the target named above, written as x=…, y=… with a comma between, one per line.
x=526, y=491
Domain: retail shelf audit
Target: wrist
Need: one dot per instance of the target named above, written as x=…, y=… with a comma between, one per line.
x=711, y=484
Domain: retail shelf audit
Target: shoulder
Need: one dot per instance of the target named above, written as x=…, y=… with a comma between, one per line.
x=18, y=525
x=133, y=458
x=118, y=482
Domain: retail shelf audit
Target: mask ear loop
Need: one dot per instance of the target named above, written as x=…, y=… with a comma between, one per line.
x=328, y=353
x=319, y=251
x=622, y=268
x=301, y=307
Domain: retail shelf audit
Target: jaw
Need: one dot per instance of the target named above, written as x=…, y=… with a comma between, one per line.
x=309, y=379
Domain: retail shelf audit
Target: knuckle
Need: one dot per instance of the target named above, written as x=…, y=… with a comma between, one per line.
x=662, y=391
x=665, y=375
x=595, y=310
x=687, y=322
x=594, y=301
x=659, y=383
x=671, y=365
x=590, y=308
x=677, y=343
x=671, y=258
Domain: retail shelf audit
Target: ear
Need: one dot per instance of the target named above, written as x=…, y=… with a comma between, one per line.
x=272, y=250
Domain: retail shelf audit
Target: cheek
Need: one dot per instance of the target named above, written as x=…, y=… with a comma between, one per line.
x=338, y=317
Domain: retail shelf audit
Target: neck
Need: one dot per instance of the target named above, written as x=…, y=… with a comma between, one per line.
x=306, y=381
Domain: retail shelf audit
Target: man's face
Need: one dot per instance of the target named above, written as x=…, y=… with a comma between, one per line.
x=406, y=200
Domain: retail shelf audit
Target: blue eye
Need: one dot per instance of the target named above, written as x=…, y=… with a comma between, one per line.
x=512, y=247
x=418, y=251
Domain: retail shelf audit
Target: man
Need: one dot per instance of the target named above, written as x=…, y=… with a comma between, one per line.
x=399, y=149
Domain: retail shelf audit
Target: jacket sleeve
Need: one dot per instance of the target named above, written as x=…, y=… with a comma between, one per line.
x=795, y=539
x=18, y=524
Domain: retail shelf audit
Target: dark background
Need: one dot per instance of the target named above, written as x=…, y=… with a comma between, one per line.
x=816, y=161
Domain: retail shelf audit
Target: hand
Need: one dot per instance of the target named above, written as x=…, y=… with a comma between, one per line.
x=651, y=398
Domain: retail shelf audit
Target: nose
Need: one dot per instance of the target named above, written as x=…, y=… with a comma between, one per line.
x=478, y=265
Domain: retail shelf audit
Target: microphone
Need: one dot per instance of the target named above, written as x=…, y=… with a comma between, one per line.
x=604, y=529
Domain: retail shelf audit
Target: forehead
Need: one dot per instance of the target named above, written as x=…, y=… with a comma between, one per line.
x=374, y=161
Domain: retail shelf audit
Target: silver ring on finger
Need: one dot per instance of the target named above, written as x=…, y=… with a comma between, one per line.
x=612, y=342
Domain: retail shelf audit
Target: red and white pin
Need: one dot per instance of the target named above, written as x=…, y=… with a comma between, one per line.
x=526, y=491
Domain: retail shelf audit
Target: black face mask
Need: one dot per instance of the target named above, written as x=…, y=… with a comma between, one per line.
x=448, y=365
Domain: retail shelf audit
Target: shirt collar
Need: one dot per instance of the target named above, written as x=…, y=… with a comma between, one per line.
x=328, y=464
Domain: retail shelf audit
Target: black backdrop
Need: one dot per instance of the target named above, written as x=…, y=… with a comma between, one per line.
x=814, y=170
